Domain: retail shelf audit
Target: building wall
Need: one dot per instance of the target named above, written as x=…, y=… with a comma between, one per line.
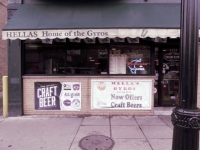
x=29, y=105
x=121, y=1
x=3, y=43
x=198, y=91
x=28, y=83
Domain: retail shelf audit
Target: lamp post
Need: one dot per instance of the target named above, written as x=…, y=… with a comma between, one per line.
x=186, y=116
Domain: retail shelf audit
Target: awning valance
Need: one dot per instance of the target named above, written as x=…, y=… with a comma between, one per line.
x=90, y=33
x=71, y=20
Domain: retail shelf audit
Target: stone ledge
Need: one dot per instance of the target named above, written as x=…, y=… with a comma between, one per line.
x=162, y=111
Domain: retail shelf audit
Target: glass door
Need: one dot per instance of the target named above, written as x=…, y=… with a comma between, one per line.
x=167, y=77
x=170, y=76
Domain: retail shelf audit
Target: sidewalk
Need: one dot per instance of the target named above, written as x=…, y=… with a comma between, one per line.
x=60, y=132
x=64, y=133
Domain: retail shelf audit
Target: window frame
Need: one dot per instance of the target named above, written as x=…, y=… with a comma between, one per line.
x=82, y=44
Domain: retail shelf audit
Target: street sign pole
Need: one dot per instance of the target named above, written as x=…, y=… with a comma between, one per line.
x=186, y=116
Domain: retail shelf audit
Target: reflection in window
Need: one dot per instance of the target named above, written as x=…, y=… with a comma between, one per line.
x=86, y=60
x=129, y=60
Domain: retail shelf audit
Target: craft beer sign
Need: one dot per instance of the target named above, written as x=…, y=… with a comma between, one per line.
x=121, y=94
x=58, y=96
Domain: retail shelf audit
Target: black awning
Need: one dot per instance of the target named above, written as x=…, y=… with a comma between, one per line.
x=95, y=15
x=64, y=16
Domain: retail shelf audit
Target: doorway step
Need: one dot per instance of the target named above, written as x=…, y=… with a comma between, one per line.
x=159, y=111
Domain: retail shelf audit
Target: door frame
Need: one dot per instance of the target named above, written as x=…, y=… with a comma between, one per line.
x=160, y=67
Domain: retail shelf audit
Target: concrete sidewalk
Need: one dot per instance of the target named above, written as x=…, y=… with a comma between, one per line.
x=64, y=133
x=61, y=132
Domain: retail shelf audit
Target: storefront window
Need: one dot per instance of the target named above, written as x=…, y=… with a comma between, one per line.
x=133, y=60
x=87, y=61
x=90, y=59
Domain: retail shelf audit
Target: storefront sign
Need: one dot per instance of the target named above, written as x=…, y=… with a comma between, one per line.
x=121, y=94
x=90, y=33
x=171, y=56
x=136, y=65
x=58, y=96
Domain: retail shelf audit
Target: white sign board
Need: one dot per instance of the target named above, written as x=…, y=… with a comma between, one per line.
x=70, y=96
x=117, y=63
x=121, y=94
x=89, y=33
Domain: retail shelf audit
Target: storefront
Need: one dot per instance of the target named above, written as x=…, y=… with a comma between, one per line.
x=93, y=58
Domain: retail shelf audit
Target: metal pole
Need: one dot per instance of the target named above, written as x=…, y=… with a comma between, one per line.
x=186, y=116
x=5, y=96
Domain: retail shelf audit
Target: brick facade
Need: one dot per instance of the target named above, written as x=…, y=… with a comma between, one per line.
x=29, y=106
x=3, y=43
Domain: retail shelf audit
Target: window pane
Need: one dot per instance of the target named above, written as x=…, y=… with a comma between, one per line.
x=54, y=61
x=129, y=60
x=60, y=59
x=86, y=59
x=44, y=59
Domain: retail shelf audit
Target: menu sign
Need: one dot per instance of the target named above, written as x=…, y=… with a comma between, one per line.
x=172, y=56
x=121, y=94
x=58, y=96
x=117, y=63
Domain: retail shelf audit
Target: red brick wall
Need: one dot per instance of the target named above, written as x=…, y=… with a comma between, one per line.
x=3, y=43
